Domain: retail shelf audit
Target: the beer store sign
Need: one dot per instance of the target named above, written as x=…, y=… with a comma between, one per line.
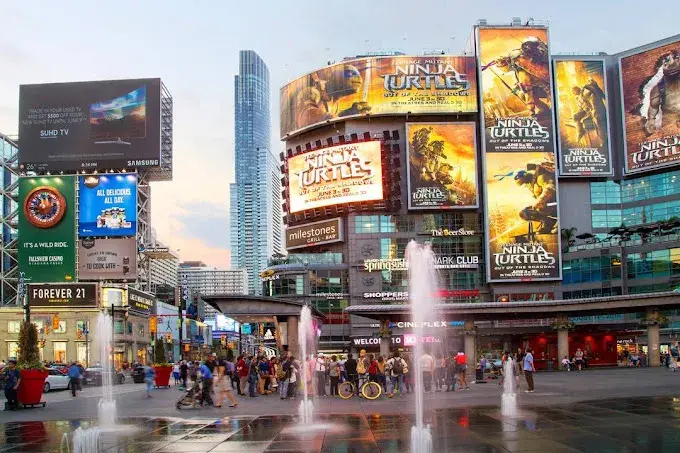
x=317, y=233
x=440, y=262
x=445, y=232
x=63, y=295
x=139, y=301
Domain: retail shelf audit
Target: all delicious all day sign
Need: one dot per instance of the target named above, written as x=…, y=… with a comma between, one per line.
x=440, y=262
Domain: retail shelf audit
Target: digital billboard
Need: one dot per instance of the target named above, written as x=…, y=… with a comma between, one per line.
x=47, y=229
x=63, y=295
x=380, y=86
x=515, y=89
x=316, y=233
x=442, y=165
x=140, y=301
x=110, y=124
x=107, y=259
x=523, y=230
x=582, y=117
x=650, y=89
x=108, y=205
x=349, y=173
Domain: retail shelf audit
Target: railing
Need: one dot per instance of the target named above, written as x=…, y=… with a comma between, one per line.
x=305, y=259
x=613, y=242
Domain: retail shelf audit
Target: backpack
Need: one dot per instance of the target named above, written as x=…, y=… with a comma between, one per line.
x=361, y=366
x=398, y=367
x=280, y=373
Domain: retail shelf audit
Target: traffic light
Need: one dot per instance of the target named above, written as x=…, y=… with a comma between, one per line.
x=55, y=322
x=41, y=343
x=168, y=337
x=153, y=325
x=79, y=334
x=186, y=348
x=261, y=328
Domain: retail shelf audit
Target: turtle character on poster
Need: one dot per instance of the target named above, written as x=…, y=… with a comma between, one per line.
x=650, y=87
x=515, y=89
x=582, y=120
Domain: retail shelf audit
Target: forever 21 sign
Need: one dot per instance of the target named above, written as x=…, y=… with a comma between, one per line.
x=63, y=295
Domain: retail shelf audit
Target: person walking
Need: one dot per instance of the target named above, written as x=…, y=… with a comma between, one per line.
x=529, y=370
x=183, y=374
x=222, y=385
x=263, y=378
x=381, y=365
x=253, y=372
x=334, y=374
x=207, y=382
x=12, y=378
x=149, y=375
x=408, y=376
x=74, y=378
x=461, y=369
x=242, y=368
x=175, y=373
x=396, y=367
x=294, y=378
x=283, y=376
x=320, y=373
x=578, y=358
x=427, y=370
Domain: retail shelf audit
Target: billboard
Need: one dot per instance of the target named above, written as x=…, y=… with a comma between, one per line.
x=107, y=259
x=380, y=86
x=316, y=233
x=650, y=89
x=349, y=173
x=90, y=125
x=523, y=232
x=108, y=205
x=582, y=117
x=140, y=301
x=63, y=295
x=47, y=229
x=515, y=89
x=442, y=165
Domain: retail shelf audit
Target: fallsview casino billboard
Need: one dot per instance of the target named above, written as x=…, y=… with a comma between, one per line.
x=349, y=173
x=582, y=117
x=442, y=165
x=650, y=89
x=519, y=157
x=440, y=84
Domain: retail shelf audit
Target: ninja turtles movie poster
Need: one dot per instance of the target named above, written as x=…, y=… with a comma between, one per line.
x=442, y=170
x=582, y=117
x=523, y=228
x=515, y=88
x=650, y=89
x=438, y=84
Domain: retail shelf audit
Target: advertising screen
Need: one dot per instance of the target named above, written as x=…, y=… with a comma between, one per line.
x=380, y=86
x=582, y=117
x=47, y=229
x=140, y=301
x=442, y=165
x=63, y=295
x=107, y=259
x=348, y=173
x=316, y=233
x=515, y=89
x=90, y=125
x=523, y=233
x=650, y=89
x=108, y=205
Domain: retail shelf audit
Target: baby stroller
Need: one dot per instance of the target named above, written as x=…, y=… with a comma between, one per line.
x=192, y=398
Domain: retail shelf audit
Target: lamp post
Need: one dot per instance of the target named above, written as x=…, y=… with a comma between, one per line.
x=86, y=331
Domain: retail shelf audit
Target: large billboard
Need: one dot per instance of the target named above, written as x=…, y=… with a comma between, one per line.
x=110, y=124
x=442, y=165
x=108, y=205
x=515, y=89
x=63, y=295
x=141, y=301
x=107, y=259
x=316, y=233
x=523, y=233
x=582, y=117
x=438, y=84
x=650, y=89
x=47, y=229
x=349, y=173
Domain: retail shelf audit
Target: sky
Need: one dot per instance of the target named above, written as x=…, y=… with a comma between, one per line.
x=193, y=47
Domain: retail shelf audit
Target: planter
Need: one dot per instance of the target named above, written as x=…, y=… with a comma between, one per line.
x=31, y=387
x=163, y=375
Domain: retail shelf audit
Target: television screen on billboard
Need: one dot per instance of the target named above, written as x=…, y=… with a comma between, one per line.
x=442, y=165
x=582, y=117
x=349, y=173
x=111, y=124
x=108, y=205
x=107, y=259
x=380, y=86
x=650, y=89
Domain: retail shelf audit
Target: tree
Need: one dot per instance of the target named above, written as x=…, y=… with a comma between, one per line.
x=159, y=357
x=29, y=353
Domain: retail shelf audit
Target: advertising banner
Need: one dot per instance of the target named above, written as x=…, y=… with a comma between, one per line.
x=90, y=125
x=523, y=233
x=63, y=295
x=582, y=118
x=108, y=205
x=442, y=165
x=380, y=86
x=515, y=89
x=107, y=259
x=348, y=173
x=316, y=233
x=140, y=301
x=651, y=107
x=47, y=229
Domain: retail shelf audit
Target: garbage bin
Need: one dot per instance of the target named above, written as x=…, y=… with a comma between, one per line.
x=550, y=365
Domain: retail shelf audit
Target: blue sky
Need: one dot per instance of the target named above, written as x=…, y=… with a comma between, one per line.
x=193, y=47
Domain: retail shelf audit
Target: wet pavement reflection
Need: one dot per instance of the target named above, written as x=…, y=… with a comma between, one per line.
x=613, y=425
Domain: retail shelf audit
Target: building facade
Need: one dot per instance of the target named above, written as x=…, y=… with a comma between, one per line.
x=203, y=280
x=255, y=221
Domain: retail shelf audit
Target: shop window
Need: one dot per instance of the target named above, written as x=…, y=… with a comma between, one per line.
x=62, y=327
x=140, y=329
x=13, y=326
x=82, y=326
x=118, y=327
x=12, y=349
x=81, y=353
x=59, y=351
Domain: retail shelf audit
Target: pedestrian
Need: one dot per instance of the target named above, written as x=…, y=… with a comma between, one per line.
x=149, y=375
x=242, y=367
x=233, y=376
x=334, y=374
x=175, y=373
x=343, y=373
x=263, y=377
x=12, y=378
x=427, y=370
x=362, y=370
x=451, y=374
x=294, y=378
x=461, y=370
x=74, y=378
x=351, y=369
x=381, y=364
x=578, y=358
x=372, y=368
x=408, y=376
x=253, y=372
x=183, y=374
x=206, y=381
x=520, y=359
x=283, y=376
x=396, y=367
x=320, y=373
x=440, y=373
x=529, y=370
x=273, y=367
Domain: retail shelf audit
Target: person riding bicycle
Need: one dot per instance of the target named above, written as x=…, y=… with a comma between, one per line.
x=396, y=368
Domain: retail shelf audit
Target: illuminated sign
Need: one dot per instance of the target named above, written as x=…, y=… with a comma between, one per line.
x=440, y=262
x=316, y=233
x=445, y=232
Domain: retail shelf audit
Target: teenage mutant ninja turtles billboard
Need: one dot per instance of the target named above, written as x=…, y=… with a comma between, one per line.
x=438, y=84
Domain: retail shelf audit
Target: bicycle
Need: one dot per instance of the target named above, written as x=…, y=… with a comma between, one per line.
x=370, y=390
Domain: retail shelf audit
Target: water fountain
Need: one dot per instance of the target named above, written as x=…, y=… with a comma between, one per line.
x=422, y=285
x=509, y=397
x=307, y=339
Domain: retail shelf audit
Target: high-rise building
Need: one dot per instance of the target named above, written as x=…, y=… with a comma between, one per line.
x=256, y=227
x=203, y=280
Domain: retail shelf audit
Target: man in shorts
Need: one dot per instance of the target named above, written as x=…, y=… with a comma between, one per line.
x=461, y=368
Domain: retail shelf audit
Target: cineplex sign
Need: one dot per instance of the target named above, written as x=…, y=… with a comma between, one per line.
x=440, y=262
x=316, y=233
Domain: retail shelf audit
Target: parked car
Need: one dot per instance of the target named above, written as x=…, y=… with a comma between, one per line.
x=63, y=367
x=138, y=375
x=56, y=380
x=93, y=376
